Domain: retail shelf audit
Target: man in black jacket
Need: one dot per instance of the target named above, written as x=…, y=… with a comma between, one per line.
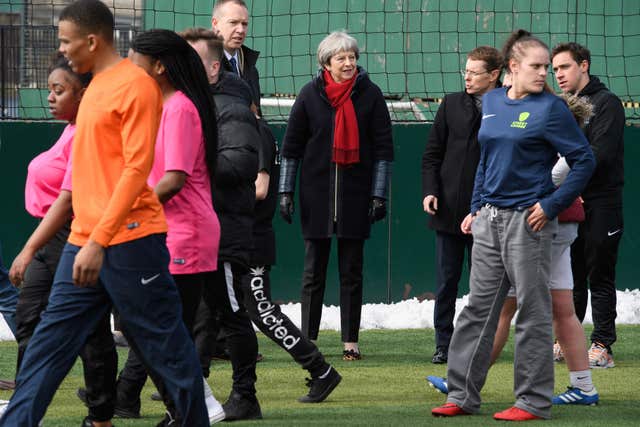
x=448, y=170
x=231, y=20
x=595, y=252
x=233, y=192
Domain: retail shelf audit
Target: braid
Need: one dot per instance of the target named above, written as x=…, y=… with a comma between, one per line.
x=185, y=73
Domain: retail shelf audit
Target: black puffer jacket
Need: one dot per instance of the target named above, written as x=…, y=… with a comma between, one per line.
x=248, y=72
x=233, y=187
x=328, y=193
x=450, y=160
x=605, y=132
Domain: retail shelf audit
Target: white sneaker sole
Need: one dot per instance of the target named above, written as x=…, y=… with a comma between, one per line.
x=217, y=417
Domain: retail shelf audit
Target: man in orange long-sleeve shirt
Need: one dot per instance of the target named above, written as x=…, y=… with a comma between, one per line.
x=116, y=252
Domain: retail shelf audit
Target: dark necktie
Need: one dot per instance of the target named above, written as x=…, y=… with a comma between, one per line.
x=234, y=65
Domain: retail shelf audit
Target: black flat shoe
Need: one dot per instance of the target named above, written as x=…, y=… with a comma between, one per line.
x=440, y=356
x=351, y=355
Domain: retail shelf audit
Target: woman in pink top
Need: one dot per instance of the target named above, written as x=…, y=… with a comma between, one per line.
x=48, y=197
x=36, y=264
x=185, y=153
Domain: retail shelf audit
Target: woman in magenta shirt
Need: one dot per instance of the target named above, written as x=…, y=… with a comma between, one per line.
x=185, y=153
x=36, y=264
x=48, y=197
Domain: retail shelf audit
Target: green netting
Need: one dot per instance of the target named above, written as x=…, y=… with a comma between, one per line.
x=413, y=49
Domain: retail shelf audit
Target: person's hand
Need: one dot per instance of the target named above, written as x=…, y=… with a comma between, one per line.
x=87, y=265
x=465, y=227
x=430, y=204
x=537, y=218
x=19, y=266
x=286, y=206
x=377, y=209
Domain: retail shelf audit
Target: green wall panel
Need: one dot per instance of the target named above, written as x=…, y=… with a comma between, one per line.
x=401, y=250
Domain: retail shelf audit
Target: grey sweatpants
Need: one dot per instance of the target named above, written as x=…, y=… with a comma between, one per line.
x=506, y=251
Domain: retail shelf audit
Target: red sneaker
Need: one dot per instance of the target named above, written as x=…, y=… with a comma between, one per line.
x=515, y=414
x=448, y=410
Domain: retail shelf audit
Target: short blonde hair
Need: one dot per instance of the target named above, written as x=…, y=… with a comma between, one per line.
x=337, y=41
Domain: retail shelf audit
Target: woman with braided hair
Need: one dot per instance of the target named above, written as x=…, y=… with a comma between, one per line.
x=185, y=156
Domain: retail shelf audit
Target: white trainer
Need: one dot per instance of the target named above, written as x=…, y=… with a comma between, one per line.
x=214, y=408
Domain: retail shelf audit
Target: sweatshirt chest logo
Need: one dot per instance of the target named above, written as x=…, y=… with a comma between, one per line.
x=521, y=123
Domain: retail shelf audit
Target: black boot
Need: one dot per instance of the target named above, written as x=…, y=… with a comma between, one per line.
x=320, y=388
x=239, y=407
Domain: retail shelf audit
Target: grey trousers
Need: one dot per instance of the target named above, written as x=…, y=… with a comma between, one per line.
x=506, y=251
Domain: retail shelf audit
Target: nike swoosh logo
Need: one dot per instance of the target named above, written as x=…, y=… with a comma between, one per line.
x=611, y=233
x=582, y=378
x=149, y=280
x=486, y=116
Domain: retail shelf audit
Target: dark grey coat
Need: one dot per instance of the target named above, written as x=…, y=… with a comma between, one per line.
x=325, y=198
x=450, y=161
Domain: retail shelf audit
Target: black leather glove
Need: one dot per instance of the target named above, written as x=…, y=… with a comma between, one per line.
x=286, y=206
x=377, y=209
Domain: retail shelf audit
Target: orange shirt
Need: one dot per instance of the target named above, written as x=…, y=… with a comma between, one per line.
x=112, y=156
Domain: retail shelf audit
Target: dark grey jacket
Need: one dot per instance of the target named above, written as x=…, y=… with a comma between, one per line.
x=450, y=160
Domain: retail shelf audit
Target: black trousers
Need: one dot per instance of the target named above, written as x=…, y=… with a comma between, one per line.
x=593, y=261
x=316, y=259
x=267, y=316
x=35, y=289
x=99, y=357
x=450, y=250
x=224, y=300
x=134, y=374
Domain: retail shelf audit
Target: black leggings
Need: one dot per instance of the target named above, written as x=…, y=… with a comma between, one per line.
x=99, y=357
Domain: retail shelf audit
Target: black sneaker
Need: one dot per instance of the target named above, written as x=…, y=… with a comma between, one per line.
x=87, y=423
x=440, y=356
x=119, y=411
x=238, y=407
x=320, y=388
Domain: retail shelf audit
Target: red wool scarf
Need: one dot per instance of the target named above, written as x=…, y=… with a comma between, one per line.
x=346, y=138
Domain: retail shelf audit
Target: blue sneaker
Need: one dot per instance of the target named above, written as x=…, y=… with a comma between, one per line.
x=575, y=396
x=438, y=383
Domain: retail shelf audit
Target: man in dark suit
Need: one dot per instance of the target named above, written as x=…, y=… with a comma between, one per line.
x=231, y=20
x=448, y=169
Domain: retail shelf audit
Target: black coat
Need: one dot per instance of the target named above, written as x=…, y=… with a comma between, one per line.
x=450, y=160
x=309, y=137
x=605, y=133
x=248, y=72
x=233, y=188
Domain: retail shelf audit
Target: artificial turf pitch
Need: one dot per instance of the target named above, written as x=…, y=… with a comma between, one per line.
x=387, y=387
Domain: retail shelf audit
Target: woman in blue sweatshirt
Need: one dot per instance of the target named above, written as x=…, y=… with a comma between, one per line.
x=512, y=220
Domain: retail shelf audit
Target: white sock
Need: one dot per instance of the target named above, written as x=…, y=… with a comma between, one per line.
x=581, y=380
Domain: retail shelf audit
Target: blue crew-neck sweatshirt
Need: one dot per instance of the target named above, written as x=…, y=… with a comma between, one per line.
x=519, y=142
